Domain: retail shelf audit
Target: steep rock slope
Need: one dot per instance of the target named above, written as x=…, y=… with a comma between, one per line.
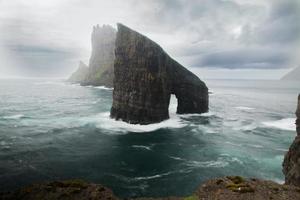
x=291, y=163
x=101, y=64
x=146, y=76
x=79, y=75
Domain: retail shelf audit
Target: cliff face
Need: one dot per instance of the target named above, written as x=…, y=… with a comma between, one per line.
x=79, y=75
x=101, y=69
x=144, y=78
x=101, y=64
x=291, y=163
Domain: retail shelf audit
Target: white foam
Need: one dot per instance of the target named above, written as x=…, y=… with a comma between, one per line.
x=103, y=120
x=249, y=127
x=176, y=158
x=214, y=164
x=284, y=124
x=152, y=177
x=141, y=147
x=255, y=145
x=18, y=116
x=103, y=88
x=244, y=108
x=208, y=114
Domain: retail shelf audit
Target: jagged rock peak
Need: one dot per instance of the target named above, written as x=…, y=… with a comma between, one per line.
x=102, y=57
x=144, y=78
x=291, y=163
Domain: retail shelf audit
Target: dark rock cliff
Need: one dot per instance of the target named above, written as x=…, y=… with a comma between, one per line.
x=146, y=76
x=101, y=63
x=79, y=75
x=291, y=163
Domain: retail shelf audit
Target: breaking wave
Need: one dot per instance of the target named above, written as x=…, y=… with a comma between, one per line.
x=141, y=147
x=244, y=108
x=284, y=124
x=103, y=120
x=18, y=116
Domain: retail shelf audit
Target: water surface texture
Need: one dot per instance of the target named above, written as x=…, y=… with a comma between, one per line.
x=52, y=130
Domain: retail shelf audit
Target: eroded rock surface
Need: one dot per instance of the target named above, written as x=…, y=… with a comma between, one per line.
x=63, y=190
x=146, y=76
x=291, y=163
x=238, y=188
x=226, y=188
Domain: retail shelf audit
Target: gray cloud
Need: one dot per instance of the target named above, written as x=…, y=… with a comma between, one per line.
x=246, y=58
x=54, y=35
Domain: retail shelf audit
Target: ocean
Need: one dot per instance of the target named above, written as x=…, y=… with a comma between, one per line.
x=53, y=130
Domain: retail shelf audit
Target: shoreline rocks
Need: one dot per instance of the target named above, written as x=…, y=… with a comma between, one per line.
x=291, y=163
x=63, y=190
x=144, y=78
x=226, y=188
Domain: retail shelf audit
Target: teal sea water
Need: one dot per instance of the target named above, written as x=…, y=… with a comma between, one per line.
x=52, y=130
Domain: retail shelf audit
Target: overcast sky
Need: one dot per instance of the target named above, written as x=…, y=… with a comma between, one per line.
x=47, y=38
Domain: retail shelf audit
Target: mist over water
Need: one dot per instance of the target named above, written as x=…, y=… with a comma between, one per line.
x=52, y=130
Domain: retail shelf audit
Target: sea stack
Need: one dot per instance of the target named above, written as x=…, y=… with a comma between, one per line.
x=102, y=59
x=100, y=71
x=144, y=78
x=291, y=163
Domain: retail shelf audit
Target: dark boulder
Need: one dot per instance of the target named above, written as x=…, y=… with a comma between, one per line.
x=144, y=78
x=291, y=163
x=61, y=190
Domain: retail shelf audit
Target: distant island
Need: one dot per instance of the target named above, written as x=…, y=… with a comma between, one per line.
x=294, y=75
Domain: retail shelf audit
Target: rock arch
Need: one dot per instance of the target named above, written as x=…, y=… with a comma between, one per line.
x=144, y=78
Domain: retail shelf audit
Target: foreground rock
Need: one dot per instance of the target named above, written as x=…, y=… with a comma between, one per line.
x=238, y=188
x=228, y=188
x=80, y=74
x=100, y=71
x=64, y=190
x=146, y=76
x=291, y=163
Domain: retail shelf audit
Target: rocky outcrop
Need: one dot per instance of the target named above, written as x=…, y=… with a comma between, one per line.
x=101, y=65
x=291, y=163
x=79, y=75
x=238, y=188
x=63, y=190
x=146, y=76
x=227, y=188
